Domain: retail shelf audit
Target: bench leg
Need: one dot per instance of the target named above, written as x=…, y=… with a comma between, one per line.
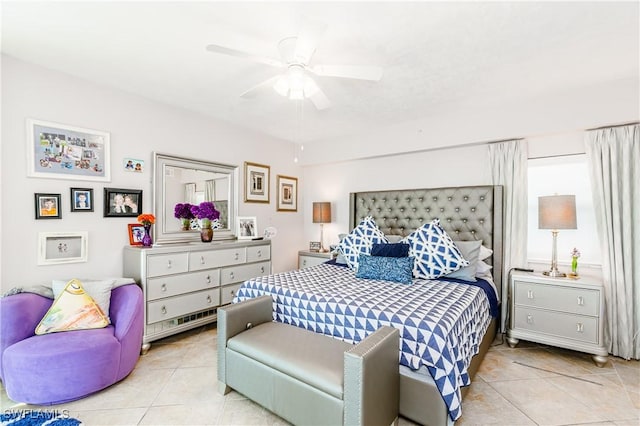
x=223, y=389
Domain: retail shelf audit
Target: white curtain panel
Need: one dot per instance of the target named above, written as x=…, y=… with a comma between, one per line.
x=190, y=193
x=509, y=168
x=210, y=190
x=614, y=161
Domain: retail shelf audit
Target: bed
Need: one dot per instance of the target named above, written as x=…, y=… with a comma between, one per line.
x=452, y=317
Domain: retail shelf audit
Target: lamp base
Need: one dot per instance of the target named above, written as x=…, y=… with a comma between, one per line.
x=554, y=274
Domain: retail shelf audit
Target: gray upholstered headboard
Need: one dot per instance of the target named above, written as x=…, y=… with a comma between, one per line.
x=466, y=213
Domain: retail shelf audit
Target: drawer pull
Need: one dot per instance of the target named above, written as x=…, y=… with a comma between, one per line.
x=163, y=287
x=202, y=260
x=164, y=310
x=304, y=263
x=529, y=294
x=233, y=292
x=580, y=327
x=208, y=279
x=262, y=269
x=231, y=275
x=237, y=256
x=529, y=319
x=209, y=299
x=168, y=264
x=259, y=253
x=580, y=301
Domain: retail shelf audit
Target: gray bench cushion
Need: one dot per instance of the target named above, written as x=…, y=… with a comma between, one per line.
x=312, y=358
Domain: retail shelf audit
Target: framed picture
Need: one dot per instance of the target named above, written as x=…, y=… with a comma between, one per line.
x=62, y=247
x=59, y=151
x=247, y=228
x=314, y=246
x=122, y=202
x=256, y=183
x=287, y=194
x=136, y=232
x=133, y=165
x=47, y=206
x=81, y=199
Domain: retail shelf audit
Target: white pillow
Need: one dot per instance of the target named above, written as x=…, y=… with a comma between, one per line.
x=434, y=251
x=360, y=240
x=484, y=253
x=100, y=292
x=470, y=251
x=482, y=269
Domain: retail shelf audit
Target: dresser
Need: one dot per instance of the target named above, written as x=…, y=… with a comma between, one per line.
x=557, y=311
x=184, y=284
x=307, y=259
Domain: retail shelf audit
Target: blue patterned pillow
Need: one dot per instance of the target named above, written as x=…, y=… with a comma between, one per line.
x=398, y=269
x=434, y=251
x=360, y=240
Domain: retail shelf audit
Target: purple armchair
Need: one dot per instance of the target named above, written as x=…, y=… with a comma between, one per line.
x=60, y=367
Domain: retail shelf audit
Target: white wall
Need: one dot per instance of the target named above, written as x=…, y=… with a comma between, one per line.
x=138, y=126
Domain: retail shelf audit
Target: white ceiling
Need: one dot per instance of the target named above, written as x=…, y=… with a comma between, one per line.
x=435, y=55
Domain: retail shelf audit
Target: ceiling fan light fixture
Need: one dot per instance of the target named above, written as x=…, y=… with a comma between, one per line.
x=296, y=94
x=310, y=87
x=282, y=86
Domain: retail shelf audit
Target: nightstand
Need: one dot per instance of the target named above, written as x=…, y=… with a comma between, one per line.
x=558, y=311
x=311, y=258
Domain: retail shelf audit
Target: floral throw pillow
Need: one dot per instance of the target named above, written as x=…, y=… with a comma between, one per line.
x=434, y=251
x=360, y=240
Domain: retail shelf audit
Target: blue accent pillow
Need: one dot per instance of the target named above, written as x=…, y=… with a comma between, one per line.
x=390, y=250
x=397, y=269
x=434, y=251
x=360, y=240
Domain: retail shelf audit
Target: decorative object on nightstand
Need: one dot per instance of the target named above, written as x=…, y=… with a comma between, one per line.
x=575, y=254
x=556, y=212
x=322, y=215
x=559, y=312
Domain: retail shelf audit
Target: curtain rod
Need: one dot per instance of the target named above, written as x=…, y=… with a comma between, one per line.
x=631, y=123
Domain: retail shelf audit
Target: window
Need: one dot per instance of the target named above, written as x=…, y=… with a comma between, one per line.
x=563, y=175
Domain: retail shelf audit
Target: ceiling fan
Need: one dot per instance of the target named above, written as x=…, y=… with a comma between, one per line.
x=295, y=56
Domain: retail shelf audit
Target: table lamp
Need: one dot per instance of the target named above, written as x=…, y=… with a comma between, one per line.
x=322, y=215
x=556, y=212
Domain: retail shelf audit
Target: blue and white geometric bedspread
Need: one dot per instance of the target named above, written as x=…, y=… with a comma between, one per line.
x=441, y=323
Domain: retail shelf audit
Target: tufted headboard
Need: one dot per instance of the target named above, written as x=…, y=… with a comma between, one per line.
x=466, y=213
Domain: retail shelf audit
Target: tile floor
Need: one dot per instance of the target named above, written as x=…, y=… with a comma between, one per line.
x=175, y=384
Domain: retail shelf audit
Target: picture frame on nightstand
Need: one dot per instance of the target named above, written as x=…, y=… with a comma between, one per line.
x=314, y=246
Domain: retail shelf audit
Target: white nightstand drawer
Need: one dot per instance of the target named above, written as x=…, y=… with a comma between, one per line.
x=165, y=264
x=258, y=253
x=215, y=258
x=568, y=299
x=234, y=274
x=228, y=292
x=173, y=307
x=577, y=327
x=160, y=287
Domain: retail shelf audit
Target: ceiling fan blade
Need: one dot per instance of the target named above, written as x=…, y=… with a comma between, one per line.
x=349, y=71
x=268, y=83
x=320, y=100
x=239, y=54
x=308, y=38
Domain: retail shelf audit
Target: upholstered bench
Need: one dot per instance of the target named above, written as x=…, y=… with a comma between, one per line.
x=304, y=377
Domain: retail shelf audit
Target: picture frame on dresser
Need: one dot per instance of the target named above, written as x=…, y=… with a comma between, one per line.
x=136, y=233
x=256, y=183
x=247, y=227
x=61, y=151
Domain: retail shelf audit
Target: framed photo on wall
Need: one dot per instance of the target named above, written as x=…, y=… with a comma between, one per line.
x=60, y=151
x=247, y=228
x=122, y=202
x=256, y=183
x=136, y=233
x=48, y=206
x=62, y=247
x=81, y=199
x=287, y=194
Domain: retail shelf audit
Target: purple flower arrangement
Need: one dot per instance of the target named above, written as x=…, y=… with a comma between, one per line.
x=183, y=211
x=206, y=212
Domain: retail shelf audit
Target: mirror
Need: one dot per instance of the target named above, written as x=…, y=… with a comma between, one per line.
x=185, y=180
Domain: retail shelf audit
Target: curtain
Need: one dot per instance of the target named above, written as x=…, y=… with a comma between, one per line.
x=210, y=190
x=614, y=161
x=508, y=162
x=190, y=193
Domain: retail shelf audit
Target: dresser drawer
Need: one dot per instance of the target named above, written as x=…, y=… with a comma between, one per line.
x=258, y=253
x=234, y=274
x=172, y=285
x=576, y=327
x=164, y=309
x=559, y=298
x=199, y=260
x=165, y=264
x=227, y=293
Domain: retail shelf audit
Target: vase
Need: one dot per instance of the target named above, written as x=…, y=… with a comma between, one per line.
x=186, y=224
x=574, y=265
x=146, y=239
x=206, y=235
